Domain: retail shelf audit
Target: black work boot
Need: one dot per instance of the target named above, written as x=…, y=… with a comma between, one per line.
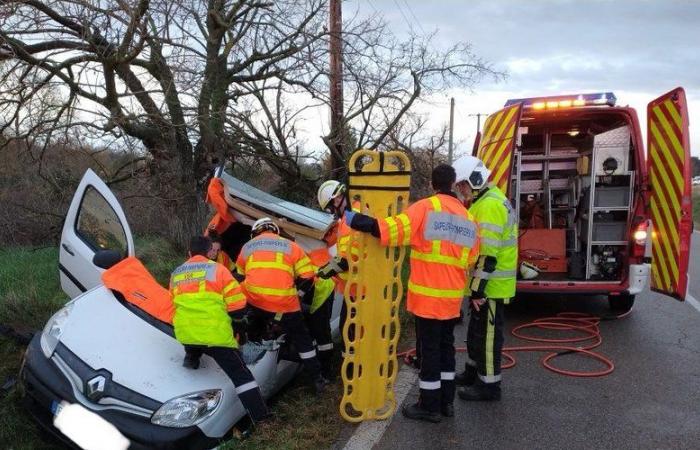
x=481, y=392
x=466, y=378
x=416, y=412
x=326, y=359
x=191, y=362
x=447, y=410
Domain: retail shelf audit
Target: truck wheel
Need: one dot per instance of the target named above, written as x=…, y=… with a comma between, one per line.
x=621, y=303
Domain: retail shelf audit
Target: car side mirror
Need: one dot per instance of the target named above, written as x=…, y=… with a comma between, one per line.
x=105, y=259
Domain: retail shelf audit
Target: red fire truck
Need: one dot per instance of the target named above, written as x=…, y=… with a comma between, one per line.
x=588, y=196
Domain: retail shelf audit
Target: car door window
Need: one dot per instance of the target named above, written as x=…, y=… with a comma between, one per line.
x=98, y=225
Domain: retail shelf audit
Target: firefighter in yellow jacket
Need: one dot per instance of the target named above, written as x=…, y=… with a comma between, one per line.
x=206, y=298
x=493, y=279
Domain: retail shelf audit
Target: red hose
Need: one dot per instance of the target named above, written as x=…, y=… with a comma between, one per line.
x=589, y=339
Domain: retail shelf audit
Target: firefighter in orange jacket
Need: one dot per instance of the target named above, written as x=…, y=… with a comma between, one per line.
x=276, y=271
x=332, y=198
x=203, y=292
x=444, y=243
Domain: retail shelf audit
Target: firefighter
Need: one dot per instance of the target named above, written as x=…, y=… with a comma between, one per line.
x=332, y=198
x=276, y=270
x=493, y=280
x=203, y=292
x=444, y=241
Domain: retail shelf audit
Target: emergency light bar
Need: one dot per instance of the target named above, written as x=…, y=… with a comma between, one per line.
x=565, y=101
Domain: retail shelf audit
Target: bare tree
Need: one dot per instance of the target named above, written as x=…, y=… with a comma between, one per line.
x=165, y=73
x=185, y=83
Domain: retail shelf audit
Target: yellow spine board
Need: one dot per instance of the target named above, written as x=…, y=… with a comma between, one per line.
x=380, y=181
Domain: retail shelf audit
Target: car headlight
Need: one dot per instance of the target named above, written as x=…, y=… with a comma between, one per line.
x=53, y=330
x=187, y=410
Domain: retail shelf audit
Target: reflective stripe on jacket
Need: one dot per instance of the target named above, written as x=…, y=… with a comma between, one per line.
x=203, y=293
x=498, y=233
x=225, y=260
x=345, y=250
x=444, y=243
x=271, y=264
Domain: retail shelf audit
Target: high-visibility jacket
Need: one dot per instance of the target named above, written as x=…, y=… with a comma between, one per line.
x=444, y=242
x=216, y=196
x=271, y=264
x=498, y=235
x=131, y=278
x=319, y=257
x=345, y=250
x=225, y=260
x=204, y=292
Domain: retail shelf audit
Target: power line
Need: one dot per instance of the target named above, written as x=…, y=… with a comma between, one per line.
x=410, y=10
x=405, y=17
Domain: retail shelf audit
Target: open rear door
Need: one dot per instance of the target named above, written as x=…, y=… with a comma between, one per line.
x=497, y=144
x=670, y=204
x=95, y=221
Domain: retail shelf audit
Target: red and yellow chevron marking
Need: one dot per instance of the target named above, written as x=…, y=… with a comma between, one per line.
x=496, y=146
x=668, y=172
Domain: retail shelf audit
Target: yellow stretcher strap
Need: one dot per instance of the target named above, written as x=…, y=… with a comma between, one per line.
x=381, y=181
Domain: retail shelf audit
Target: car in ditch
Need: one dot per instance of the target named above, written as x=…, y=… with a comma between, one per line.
x=118, y=360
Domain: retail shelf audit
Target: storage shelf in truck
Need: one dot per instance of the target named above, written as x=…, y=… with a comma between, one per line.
x=598, y=214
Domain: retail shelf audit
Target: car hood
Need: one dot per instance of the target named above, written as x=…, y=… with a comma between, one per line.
x=104, y=334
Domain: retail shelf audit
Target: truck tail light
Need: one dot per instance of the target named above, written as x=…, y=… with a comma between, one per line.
x=639, y=236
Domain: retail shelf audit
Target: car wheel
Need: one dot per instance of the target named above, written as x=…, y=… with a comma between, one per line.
x=621, y=303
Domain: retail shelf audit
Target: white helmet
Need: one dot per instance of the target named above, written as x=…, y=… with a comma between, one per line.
x=472, y=170
x=529, y=271
x=328, y=191
x=263, y=224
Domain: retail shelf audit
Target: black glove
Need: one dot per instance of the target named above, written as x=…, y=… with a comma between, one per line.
x=237, y=276
x=360, y=222
x=335, y=266
x=239, y=322
x=305, y=287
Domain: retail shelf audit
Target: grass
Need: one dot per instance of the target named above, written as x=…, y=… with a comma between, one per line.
x=30, y=293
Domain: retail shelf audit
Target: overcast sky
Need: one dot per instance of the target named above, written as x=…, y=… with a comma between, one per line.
x=636, y=49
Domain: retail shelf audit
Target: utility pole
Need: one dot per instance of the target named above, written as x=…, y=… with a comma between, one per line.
x=336, y=82
x=478, y=120
x=452, y=126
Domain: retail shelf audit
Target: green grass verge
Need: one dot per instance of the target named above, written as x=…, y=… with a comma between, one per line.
x=30, y=293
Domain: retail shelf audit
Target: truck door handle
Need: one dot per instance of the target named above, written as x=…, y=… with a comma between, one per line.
x=68, y=249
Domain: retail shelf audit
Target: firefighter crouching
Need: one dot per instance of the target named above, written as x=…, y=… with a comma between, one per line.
x=205, y=295
x=493, y=280
x=275, y=270
x=444, y=241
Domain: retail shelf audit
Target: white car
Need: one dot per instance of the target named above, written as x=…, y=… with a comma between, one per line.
x=119, y=362
x=696, y=181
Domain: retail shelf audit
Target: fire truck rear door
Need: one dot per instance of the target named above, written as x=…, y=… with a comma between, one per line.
x=497, y=143
x=670, y=204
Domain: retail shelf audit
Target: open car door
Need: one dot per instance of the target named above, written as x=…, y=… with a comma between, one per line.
x=670, y=204
x=95, y=221
x=497, y=143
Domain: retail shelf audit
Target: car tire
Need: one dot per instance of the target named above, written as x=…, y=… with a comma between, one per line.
x=621, y=303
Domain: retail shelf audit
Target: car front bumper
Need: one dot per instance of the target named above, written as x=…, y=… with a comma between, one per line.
x=45, y=386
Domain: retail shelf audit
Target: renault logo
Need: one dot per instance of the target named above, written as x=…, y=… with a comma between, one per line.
x=95, y=387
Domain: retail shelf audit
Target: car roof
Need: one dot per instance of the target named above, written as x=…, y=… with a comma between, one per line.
x=303, y=215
